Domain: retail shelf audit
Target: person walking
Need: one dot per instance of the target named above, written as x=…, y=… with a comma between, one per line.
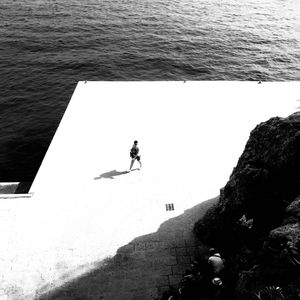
x=134, y=154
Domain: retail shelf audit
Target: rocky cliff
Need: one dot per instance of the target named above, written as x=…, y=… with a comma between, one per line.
x=256, y=221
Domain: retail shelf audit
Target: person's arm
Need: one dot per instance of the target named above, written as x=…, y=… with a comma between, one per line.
x=137, y=152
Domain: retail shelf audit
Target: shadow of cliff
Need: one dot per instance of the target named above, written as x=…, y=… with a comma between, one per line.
x=143, y=268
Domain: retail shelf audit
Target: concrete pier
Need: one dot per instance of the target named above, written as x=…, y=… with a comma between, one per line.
x=84, y=205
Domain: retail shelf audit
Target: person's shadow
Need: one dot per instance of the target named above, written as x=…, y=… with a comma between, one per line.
x=111, y=174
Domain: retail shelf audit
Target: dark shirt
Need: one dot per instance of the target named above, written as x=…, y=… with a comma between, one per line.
x=134, y=151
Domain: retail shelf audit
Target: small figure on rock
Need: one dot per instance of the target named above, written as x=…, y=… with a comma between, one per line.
x=216, y=262
x=216, y=289
x=134, y=154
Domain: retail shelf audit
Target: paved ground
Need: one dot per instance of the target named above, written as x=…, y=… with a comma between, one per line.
x=144, y=268
x=85, y=206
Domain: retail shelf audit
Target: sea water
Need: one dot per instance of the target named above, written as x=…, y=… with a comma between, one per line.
x=47, y=46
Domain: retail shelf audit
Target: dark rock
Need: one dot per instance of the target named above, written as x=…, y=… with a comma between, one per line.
x=293, y=210
x=263, y=189
x=289, y=235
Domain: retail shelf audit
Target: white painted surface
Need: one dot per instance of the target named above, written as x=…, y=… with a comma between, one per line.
x=190, y=137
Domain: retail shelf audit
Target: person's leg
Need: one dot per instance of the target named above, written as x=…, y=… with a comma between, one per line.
x=131, y=164
x=139, y=160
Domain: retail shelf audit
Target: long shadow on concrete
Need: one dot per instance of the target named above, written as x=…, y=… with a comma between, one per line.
x=111, y=174
x=144, y=268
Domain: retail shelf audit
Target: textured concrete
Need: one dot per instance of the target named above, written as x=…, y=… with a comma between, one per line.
x=144, y=268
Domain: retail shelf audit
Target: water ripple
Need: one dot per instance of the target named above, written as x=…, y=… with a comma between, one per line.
x=47, y=46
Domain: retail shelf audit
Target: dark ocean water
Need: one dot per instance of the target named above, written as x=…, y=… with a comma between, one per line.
x=46, y=46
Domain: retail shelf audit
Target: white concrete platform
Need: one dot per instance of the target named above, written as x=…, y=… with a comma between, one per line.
x=190, y=137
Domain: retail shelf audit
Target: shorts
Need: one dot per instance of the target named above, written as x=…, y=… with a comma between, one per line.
x=138, y=158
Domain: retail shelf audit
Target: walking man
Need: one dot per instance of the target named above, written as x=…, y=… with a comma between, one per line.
x=134, y=154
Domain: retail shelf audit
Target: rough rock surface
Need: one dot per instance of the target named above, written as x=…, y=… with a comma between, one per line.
x=264, y=190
